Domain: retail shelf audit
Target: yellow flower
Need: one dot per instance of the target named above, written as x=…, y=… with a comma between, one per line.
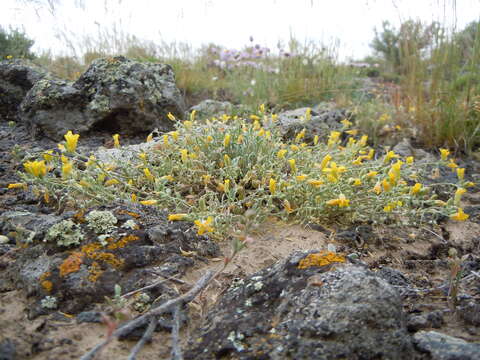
x=301, y=177
x=281, y=153
x=149, y=138
x=370, y=154
x=227, y=160
x=363, y=140
x=204, y=226
x=225, y=118
x=111, y=182
x=91, y=161
x=226, y=185
x=192, y=115
x=184, y=155
x=308, y=114
x=451, y=164
x=261, y=132
x=206, y=179
x=193, y=156
x=444, y=153
x=386, y=185
x=262, y=108
x=389, y=156
x=315, y=183
x=459, y=215
x=176, y=217
x=300, y=136
x=148, y=202
x=333, y=138
x=286, y=205
x=67, y=169
x=167, y=177
x=461, y=173
x=116, y=141
x=268, y=135
x=352, y=132
x=36, y=168
x=326, y=159
x=357, y=182
x=134, y=198
x=410, y=160
x=148, y=174
x=293, y=167
x=165, y=140
x=372, y=174
x=340, y=202
x=272, y=186
x=17, y=186
x=71, y=141
x=187, y=124
x=174, y=135
x=346, y=123
x=415, y=189
x=469, y=184
x=171, y=116
x=294, y=147
x=209, y=139
x=47, y=156
x=143, y=156
x=274, y=117
x=61, y=147
x=334, y=171
x=315, y=140
x=388, y=208
x=226, y=140
x=254, y=118
x=377, y=189
x=458, y=195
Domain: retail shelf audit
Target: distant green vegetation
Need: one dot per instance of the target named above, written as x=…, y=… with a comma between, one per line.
x=15, y=44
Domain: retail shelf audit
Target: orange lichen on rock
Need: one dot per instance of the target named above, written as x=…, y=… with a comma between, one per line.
x=122, y=242
x=95, y=271
x=47, y=285
x=71, y=264
x=321, y=258
x=92, y=252
x=131, y=213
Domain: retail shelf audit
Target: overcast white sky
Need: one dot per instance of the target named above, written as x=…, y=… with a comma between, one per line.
x=231, y=22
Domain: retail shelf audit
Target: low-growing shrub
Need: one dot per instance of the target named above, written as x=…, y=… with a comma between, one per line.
x=219, y=172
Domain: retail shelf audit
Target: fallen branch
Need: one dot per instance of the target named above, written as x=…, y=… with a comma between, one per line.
x=176, y=348
x=143, y=319
x=147, y=335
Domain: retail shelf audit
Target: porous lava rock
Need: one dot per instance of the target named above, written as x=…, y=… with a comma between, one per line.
x=114, y=94
x=17, y=77
x=285, y=312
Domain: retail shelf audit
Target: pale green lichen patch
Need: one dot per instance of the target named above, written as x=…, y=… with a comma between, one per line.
x=101, y=222
x=65, y=233
x=49, y=302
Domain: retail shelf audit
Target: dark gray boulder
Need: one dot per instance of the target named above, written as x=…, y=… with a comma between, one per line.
x=114, y=94
x=284, y=312
x=321, y=123
x=17, y=77
x=443, y=347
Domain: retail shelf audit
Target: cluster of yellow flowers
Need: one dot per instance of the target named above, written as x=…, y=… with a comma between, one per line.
x=212, y=172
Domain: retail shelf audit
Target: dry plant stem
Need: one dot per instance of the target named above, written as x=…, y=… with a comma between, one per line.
x=151, y=286
x=147, y=335
x=179, y=301
x=176, y=348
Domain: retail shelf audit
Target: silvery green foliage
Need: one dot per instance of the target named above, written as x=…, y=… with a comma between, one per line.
x=65, y=233
x=101, y=222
